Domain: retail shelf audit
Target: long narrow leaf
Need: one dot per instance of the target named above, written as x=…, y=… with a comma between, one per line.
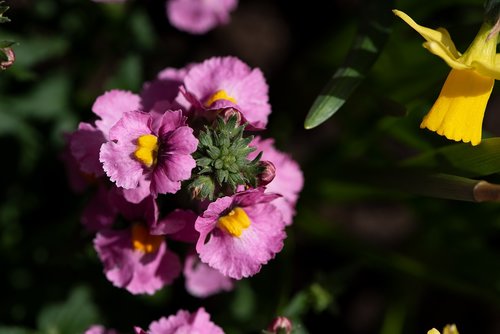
x=480, y=160
x=367, y=45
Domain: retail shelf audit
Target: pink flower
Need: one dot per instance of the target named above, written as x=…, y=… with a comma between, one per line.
x=99, y=213
x=135, y=260
x=102, y=210
x=87, y=140
x=227, y=82
x=98, y=329
x=165, y=87
x=184, y=322
x=151, y=160
x=199, y=16
x=177, y=225
x=288, y=180
x=203, y=281
x=239, y=234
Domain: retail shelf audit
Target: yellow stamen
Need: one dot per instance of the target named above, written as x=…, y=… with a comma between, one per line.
x=219, y=95
x=235, y=222
x=459, y=110
x=143, y=241
x=147, y=149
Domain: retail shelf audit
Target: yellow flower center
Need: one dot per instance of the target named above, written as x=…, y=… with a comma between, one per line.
x=219, y=95
x=143, y=241
x=235, y=222
x=147, y=149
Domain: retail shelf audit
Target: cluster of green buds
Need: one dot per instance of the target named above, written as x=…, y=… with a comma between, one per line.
x=7, y=55
x=222, y=163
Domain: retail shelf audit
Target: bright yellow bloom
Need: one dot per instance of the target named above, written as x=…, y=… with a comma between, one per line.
x=449, y=329
x=459, y=110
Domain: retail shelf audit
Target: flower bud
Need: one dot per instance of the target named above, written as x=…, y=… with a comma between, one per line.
x=11, y=57
x=280, y=325
x=268, y=173
x=227, y=113
x=202, y=187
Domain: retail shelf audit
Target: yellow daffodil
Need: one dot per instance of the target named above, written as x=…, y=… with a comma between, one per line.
x=459, y=110
x=449, y=329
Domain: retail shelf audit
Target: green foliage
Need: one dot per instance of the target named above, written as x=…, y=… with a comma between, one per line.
x=72, y=316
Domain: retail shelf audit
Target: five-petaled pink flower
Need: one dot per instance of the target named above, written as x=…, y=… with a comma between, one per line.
x=147, y=159
x=240, y=233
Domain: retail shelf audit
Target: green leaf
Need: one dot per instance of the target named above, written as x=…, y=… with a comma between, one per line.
x=6, y=44
x=366, y=47
x=469, y=160
x=437, y=185
x=15, y=330
x=73, y=316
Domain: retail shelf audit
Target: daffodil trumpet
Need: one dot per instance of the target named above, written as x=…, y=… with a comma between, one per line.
x=458, y=112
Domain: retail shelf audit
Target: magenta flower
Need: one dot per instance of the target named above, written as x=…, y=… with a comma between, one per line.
x=87, y=140
x=239, y=234
x=99, y=213
x=78, y=181
x=177, y=225
x=199, y=16
x=227, y=82
x=165, y=87
x=102, y=210
x=135, y=260
x=98, y=329
x=142, y=158
x=184, y=322
x=204, y=281
x=288, y=180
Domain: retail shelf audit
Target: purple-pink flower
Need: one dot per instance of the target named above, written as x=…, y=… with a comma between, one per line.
x=240, y=233
x=140, y=157
x=99, y=329
x=184, y=323
x=136, y=260
x=204, y=281
x=227, y=82
x=165, y=87
x=87, y=140
x=199, y=16
x=288, y=180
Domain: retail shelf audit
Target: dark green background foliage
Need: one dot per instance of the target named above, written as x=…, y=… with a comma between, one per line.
x=367, y=253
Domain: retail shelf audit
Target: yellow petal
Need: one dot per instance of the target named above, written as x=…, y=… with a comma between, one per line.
x=433, y=331
x=436, y=49
x=442, y=45
x=450, y=329
x=459, y=110
x=486, y=69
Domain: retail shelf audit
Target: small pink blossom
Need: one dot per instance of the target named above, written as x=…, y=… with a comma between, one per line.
x=226, y=82
x=170, y=160
x=203, y=281
x=86, y=142
x=127, y=265
x=184, y=322
x=288, y=180
x=199, y=16
x=256, y=236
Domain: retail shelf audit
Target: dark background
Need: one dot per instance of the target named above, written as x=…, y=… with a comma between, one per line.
x=358, y=259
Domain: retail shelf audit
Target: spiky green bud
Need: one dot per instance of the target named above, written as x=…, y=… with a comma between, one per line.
x=222, y=157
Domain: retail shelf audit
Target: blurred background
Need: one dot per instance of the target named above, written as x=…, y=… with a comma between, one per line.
x=364, y=255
